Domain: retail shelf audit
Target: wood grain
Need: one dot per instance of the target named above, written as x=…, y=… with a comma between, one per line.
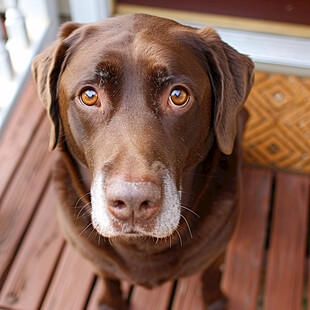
x=31, y=271
x=18, y=134
x=286, y=257
x=20, y=199
x=71, y=284
x=188, y=294
x=155, y=299
x=244, y=256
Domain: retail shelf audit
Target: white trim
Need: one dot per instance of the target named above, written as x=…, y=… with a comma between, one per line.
x=284, y=53
x=270, y=52
x=91, y=10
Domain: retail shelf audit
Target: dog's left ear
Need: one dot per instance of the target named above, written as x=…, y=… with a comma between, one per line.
x=46, y=70
x=231, y=75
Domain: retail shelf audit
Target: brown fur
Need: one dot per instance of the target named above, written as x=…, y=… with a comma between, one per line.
x=134, y=128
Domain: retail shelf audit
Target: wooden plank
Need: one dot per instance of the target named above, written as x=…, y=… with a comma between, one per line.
x=95, y=295
x=36, y=259
x=21, y=197
x=18, y=133
x=155, y=299
x=286, y=256
x=244, y=256
x=71, y=283
x=188, y=294
x=98, y=291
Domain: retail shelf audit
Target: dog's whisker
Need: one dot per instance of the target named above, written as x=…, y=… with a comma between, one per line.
x=180, y=238
x=111, y=241
x=83, y=209
x=187, y=193
x=124, y=238
x=190, y=210
x=81, y=198
x=187, y=224
x=91, y=233
x=85, y=214
x=85, y=229
x=99, y=236
x=170, y=240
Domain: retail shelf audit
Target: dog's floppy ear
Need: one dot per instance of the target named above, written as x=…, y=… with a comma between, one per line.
x=231, y=75
x=46, y=69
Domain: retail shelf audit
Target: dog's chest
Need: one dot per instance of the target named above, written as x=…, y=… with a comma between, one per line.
x=152, y=269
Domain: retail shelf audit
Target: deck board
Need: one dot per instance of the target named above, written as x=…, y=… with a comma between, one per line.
x=188, y=294
x=36, y=259
x=18, y=134
x=95, y=295
x=155, y=299
x=286, y=257
x=244, y=258
x=21, y=198
x=71, y=284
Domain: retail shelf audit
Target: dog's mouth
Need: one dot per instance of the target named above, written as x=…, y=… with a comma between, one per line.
x=135, y=209
x=132, y=233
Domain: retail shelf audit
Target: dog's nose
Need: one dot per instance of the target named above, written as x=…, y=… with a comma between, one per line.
x=133, y=200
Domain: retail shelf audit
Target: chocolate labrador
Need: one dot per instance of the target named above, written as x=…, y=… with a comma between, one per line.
x=147, y=115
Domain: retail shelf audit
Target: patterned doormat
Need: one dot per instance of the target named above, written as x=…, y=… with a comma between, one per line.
x=278, y=131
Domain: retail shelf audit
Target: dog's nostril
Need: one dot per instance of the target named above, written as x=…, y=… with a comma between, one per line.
x=119, y=209
x=147, y=209
x=138, y=200
x=119, y=204
x=145, y=204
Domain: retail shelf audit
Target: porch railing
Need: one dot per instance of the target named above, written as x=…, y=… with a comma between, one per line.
x=24, y=29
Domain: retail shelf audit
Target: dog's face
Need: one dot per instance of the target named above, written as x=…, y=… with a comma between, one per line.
x=139, y=100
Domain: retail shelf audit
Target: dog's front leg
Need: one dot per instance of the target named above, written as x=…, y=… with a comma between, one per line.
x=213, y=297
x=112, y=298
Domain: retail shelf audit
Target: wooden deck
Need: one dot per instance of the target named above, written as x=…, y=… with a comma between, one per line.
x=267, y=260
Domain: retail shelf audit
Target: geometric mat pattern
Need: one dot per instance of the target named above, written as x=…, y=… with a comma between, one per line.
x=277, y=134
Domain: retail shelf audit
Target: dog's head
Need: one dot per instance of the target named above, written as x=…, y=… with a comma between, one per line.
x=139, y=100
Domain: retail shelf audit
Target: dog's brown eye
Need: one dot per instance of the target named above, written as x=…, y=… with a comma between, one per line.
x=179, y=96
x=89, y=97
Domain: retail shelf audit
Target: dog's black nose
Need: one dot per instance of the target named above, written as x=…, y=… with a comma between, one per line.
x=133, y=200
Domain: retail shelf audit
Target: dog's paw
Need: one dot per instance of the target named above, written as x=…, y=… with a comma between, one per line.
x=105, y=307
x=119, y=306
x=218, y=305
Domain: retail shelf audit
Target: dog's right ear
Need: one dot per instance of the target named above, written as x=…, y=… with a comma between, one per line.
x=46, y=69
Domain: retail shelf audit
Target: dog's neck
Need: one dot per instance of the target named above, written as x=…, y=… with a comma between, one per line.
x=196, y=179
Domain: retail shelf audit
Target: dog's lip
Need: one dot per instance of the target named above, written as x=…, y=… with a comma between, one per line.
x=132, y=234
x=132, y=231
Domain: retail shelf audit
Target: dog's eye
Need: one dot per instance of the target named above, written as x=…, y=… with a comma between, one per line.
x=179, y=96
x=89, y=97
